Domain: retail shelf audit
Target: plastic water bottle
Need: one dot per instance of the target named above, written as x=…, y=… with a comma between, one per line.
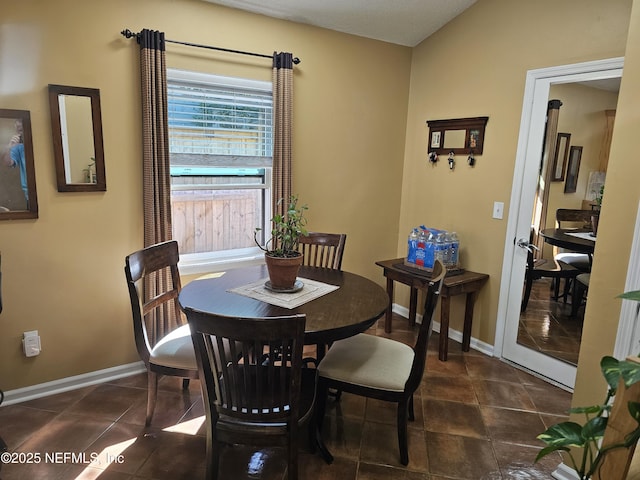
x=429, y=256
x=412, y=246
x=455, y=249
x=421, y=248
x=447, y=249
x=441, y=247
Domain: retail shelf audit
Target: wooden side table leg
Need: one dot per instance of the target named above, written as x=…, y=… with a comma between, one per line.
x=387, y=317
x=468, y=319
x=413, y=306
x=443, y=349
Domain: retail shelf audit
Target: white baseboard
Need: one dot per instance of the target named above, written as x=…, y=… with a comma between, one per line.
x=564, y=472
x=456, y=335
x=72, y=383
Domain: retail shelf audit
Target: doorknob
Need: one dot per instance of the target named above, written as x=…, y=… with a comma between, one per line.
x=524, y=243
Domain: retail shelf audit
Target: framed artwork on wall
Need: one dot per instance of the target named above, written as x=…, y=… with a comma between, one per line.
x=18, y=198
x=573, y=167
x=560, y=157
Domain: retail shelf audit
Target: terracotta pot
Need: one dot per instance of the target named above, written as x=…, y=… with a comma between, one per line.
x=283, y=271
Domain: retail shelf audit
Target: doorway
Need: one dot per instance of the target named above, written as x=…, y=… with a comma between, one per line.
x=539, y=84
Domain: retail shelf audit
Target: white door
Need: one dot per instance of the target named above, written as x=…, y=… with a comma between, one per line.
x=528, y=155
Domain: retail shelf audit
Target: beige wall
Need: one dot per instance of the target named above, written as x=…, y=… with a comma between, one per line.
x=63, y=273
x=476, y=66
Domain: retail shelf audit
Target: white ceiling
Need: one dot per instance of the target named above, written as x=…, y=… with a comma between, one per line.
x=403, y=22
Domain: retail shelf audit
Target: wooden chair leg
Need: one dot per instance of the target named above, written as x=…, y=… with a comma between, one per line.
x=403, y=408
x=185, y=383
x=152, y=394
x=292, y=457
x=527, y=293
x=411, y=414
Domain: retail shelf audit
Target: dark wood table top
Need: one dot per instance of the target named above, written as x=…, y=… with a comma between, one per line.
x=349, y=310
x=559, y=238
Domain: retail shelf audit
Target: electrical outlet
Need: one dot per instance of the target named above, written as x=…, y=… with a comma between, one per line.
x=498, y=210
x=31, y=343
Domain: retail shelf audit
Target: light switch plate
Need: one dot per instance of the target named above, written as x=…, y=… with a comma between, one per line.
x=498, y=210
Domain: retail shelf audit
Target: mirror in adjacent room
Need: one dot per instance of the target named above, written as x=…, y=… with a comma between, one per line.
x=77, y=138
x=18, y=197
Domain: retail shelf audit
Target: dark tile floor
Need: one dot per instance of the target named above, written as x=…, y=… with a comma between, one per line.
x=476, y=418
x=547, y=326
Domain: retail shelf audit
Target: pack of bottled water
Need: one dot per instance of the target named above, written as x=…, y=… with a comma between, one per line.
x=426, y=245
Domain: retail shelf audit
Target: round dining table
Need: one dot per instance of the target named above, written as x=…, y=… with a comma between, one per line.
x=560, y=237
x=350, y=309
x=346, y=311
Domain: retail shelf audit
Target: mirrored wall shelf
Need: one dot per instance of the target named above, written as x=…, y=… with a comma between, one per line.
x=458, y=135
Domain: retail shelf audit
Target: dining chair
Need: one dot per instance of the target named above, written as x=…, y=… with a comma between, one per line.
x=161, y=333
x=381, y=368
x=566, y=217
x=323, y=249
x=544, y=268
x=580, y=289
x=253, y=399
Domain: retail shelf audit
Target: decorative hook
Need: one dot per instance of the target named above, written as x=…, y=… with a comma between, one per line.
x=452, y=160
x=471, y=160
x=433, y=157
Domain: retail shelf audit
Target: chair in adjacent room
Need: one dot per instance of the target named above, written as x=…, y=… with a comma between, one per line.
x=161, y=333
x=381, y=368
x=565, y=218
x=544, y=268
x=323, y=249
x=580, y=289
x=249, y=399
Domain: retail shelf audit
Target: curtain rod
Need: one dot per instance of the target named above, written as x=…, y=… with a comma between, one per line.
x=129, y=34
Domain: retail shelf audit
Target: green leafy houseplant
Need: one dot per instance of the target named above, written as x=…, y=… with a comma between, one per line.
x=564, y=436
x=285, y=230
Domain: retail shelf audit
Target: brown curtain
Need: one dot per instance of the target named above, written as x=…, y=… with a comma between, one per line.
x=282, y=78
x=155, y=138
x=155, y=164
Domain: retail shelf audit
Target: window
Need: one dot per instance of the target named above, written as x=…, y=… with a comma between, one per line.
x=220, y=144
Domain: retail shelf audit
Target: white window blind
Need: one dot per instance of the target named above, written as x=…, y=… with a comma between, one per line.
x=217, y=119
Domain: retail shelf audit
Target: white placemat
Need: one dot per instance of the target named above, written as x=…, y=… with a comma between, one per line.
x=583, y=235
x=310, y=291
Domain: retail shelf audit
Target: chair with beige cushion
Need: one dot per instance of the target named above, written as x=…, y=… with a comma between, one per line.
x=381, y=368
x=566, y=218
x=162, y=336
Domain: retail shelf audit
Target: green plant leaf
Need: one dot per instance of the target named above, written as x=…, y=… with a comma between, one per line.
x=550, y=449
x=564, y=434
x=610, y=367
x=593, y=409
x=634, y=410
x=630, y=371
x=594, y=428
x=633, y=295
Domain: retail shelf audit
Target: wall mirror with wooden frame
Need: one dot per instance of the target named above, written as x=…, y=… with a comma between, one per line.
x=458, y=135
x=76, y=123
x=18, y=198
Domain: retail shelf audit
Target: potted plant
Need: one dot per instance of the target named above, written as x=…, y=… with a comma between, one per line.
x=565, y=436
x=281, y=251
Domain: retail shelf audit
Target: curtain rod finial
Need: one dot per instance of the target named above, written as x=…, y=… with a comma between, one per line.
x=128, y=33
x=296, y=60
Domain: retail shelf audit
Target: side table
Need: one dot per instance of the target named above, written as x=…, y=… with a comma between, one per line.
x=467, y=282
